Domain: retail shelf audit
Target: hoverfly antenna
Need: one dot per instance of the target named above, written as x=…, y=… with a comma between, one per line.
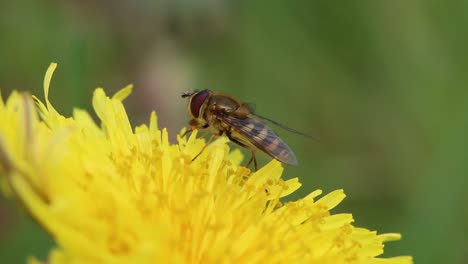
x=186, y=94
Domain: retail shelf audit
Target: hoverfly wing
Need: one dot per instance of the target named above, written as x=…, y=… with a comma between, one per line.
x=251, y=107
x=284, y=127
x=262, y=137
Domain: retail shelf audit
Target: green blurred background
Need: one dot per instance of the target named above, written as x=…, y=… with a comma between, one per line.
x=381, y=84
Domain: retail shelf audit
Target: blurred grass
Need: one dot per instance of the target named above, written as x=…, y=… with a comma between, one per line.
x=22, y=237
x=381, y=84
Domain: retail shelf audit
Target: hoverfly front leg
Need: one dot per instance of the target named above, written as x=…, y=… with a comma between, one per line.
x=207, y=143
x=194, y=125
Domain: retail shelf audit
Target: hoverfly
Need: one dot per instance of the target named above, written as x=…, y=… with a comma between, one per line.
x=229, y=116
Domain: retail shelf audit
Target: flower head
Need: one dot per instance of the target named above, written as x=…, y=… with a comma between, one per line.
x=108, y=193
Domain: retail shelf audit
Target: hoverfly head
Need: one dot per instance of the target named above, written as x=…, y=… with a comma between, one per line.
x=196, y=101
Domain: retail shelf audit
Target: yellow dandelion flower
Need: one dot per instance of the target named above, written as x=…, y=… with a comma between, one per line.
x=108, y=193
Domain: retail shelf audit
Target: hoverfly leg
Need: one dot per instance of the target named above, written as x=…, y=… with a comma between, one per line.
x=186, y=132
x=205, y=133
x=194, y=126
x=206, y=144
x=254, y=159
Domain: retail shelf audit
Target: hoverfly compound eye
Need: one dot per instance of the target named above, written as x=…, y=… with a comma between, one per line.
x=196, y=102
